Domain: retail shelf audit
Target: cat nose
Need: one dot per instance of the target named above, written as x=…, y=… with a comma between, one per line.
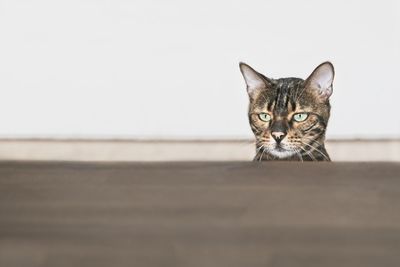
x=278, y=136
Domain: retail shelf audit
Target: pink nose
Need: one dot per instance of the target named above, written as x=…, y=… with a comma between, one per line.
x=278, y=136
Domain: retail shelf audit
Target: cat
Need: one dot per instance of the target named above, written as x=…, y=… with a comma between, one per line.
x=289, y=116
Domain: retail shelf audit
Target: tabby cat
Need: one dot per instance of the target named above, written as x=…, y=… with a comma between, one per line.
x=289, y=116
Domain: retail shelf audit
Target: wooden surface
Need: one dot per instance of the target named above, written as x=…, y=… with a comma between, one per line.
x=199, y=214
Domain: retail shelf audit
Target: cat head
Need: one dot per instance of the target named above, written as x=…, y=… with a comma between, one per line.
x=289, y=116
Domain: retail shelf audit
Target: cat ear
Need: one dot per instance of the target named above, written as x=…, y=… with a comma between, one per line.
x=254, y=80
x=321, y=80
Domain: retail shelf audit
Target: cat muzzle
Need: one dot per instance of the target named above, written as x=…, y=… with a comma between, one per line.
x=278, y=136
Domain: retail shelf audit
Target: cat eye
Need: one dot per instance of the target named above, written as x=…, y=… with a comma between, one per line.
x=264, y=116
x=299, y=117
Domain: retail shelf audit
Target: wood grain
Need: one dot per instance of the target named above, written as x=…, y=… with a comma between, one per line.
x=199, y=214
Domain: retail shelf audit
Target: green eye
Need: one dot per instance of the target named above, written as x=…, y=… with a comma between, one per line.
x=264, y=116
x=300, y=117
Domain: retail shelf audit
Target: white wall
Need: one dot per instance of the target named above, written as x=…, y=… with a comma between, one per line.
x=118, y=68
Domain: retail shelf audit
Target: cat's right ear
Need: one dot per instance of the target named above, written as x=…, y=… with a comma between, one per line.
x=254, y=80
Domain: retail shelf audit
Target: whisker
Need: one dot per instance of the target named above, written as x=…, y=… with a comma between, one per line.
x=298, y=154
x=258, y=149
x=309, y=154
x=262, y=153
x=310, y=139
x=316, y=149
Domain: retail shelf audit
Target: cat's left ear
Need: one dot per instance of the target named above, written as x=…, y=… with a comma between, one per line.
x=321, y=80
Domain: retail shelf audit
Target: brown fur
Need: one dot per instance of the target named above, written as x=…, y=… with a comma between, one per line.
x=281, y=99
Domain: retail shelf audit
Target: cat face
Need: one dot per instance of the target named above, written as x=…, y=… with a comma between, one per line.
x=289, y=116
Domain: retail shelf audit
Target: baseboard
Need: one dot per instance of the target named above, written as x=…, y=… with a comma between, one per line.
x=178, y=150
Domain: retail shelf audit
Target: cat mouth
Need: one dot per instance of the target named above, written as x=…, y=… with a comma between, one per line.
x=279, y=148
x=281, y=151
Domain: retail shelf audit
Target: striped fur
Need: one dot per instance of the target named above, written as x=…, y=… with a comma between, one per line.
x=282, y=99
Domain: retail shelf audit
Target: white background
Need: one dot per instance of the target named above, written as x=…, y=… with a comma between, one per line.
x=169, y=69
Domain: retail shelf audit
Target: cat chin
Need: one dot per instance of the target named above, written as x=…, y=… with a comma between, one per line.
x=282, y=153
